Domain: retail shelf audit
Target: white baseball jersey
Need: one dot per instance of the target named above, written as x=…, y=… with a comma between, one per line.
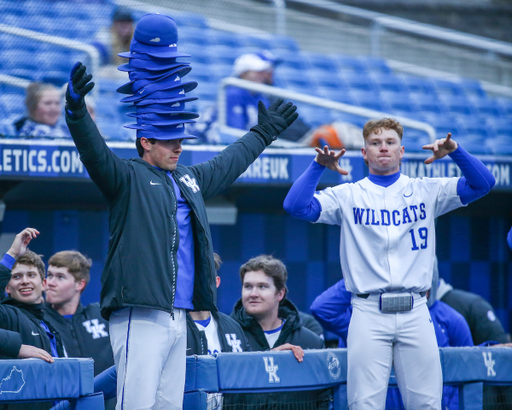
x=387, y=241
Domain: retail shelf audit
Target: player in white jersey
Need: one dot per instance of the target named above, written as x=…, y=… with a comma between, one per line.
x=387, y=249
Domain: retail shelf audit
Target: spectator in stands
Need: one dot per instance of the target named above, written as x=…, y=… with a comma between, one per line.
x=110, y=41
x=84, y=332
x=25, y=332
x=242, y=105
x=44, y=109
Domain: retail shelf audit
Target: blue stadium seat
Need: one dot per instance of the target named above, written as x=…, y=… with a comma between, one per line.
x=315, y=116
x=191, y=20
x=376, y=65
x=460, y=106
x=389, y=82
x=489, y=107
x=336, y=94
x=501, y=145
x=359, y=81
x=284, y=43
x=292, y=60
x=292, y=76
x=476, y=128
x=350, y=118
x=13, y=103
x=220, y=71
x=501, y=127
x=259, y=42
x=400, y=102
x=506, y=104
x=419, y=85
x=223, y=54
x=57, y=78
x=448, y=87
x=348, y=64
x=369, y=100
x=320, y=61
x=324, y=78
x=191, y=35
x=224, y=38
x=443, y=124
x=473, y=88
x=206, y=91
x=428, y=104
x=201, y=72
x=199, y=54
x=15, y=59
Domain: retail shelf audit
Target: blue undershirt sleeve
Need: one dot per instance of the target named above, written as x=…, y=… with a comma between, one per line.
x=477, y=180
x=300, y=202
x=8, y=261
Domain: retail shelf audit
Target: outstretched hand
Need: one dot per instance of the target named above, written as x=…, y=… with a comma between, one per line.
x=330, y=159
x=298, y=352
x=441, y=148
x=78, y=86
x=21, y=241
x=274, y=120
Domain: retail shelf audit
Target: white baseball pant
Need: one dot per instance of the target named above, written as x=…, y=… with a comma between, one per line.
x=376, y=341
x=150, y=357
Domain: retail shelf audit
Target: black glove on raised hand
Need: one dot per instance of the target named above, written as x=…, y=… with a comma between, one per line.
x=275, y=120
x=78, y=87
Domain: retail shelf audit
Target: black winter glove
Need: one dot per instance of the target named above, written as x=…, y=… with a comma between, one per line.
x=275, y=120
x=78, y=87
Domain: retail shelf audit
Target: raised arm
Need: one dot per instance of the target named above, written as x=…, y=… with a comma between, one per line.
x=220, y=172
x=300, y=201
x=477, y=180
x=17, y=249
x=106, y=169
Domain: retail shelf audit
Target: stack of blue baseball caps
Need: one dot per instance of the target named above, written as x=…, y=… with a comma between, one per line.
x=156, y=85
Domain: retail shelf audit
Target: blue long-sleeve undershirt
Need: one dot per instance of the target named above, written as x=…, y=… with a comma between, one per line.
x=301, y=203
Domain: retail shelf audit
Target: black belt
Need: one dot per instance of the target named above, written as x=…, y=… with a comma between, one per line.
x=366, y=295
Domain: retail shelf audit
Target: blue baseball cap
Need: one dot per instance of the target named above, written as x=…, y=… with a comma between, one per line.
x=144, y=124
x=160, y=128
x=153, y=75
x=135, y=85
x=156, y=29
x=143, y=51
x=157, y=118
x=173, y=107
x=170, y=132
x=174, y=86
x=163, y=97
x=150, y=65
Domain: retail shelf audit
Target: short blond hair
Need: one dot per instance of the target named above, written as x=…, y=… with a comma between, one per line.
x=78, y=265
x=376, y=127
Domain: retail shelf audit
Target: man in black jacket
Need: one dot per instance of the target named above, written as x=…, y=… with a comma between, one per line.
x=160, y=255
x=270, y=320
x=21, y=314
x=83, y=330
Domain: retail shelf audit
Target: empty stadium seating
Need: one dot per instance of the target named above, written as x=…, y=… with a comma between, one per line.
x=461, y=107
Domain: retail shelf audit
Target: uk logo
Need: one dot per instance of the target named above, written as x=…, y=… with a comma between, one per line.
x=271, y=369
x=333, y=365
x=190, y=182
x=13, y=383
x=236, y=345
x=489, y=363
x=95, y=328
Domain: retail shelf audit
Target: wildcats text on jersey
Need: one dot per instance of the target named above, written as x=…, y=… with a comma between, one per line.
x=383, y=217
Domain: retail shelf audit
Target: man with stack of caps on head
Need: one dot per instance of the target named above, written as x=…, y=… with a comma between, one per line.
x=160, y=257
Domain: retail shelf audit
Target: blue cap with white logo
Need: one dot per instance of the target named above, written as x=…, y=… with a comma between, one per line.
x=133, y=86
x=175, y=87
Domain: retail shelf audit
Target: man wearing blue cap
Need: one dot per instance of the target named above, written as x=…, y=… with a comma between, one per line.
x=160, y=256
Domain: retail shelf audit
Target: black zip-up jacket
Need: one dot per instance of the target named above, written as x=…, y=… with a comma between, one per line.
x=141, y=265
x=293, y=331
x=231, y=336
x=25, y=320
x=86, y=334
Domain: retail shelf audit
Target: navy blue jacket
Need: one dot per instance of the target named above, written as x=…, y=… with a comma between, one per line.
x=141, y=265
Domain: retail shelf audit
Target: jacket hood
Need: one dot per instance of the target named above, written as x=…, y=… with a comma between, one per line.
x=287, y=311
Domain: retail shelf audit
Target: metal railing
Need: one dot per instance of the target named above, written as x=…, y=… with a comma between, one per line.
x=60, y=41
x=380, y=21
x=305, y=98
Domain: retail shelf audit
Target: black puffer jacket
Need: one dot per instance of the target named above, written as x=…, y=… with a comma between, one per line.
x=292, y=332
x=142, y=265
x=85, y=335
x=25, y=320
